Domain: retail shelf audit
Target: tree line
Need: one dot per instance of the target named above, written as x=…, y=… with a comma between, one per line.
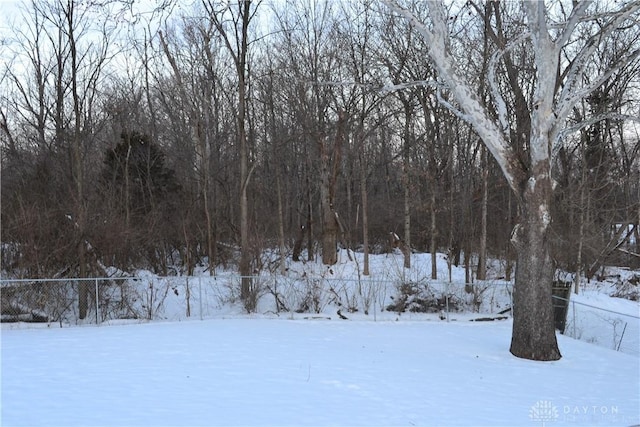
x=204, y=136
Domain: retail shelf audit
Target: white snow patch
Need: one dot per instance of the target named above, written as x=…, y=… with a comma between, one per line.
x=531, y=183
x=545, y=216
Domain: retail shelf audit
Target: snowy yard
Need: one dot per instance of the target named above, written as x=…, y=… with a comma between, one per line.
x=302, y=369
x=257, y=371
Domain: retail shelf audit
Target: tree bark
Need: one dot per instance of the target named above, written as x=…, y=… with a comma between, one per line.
x=330, y=162
x=281, y=244
x=329, y=223
x=533, y=335
x=406, y=179
x=481, y=274
x=297, y=246
x=365, y=217
x=309, y=229
x=329, y=237
x=581, y=220
x=509, y=250
x=434, y=232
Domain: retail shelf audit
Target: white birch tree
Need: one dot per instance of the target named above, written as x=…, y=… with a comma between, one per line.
x=561, y=58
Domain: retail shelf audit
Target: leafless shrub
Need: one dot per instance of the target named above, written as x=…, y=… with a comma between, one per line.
x=421, y=298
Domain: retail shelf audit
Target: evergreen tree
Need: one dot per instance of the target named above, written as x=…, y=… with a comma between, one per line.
x=135, y=171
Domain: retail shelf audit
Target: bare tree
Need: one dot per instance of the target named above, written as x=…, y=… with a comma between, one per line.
x=311, y=57
x=557, y=88
x=232, y=24
x=67, y=47
x=399, y=58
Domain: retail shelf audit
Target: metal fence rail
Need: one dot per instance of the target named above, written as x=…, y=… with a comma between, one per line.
x=56, y=300
x=110, y=299
x=182, y=297
x=117, y=299
x=601, y=326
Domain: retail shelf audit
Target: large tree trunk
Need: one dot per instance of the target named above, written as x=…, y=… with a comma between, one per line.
x=533, y=334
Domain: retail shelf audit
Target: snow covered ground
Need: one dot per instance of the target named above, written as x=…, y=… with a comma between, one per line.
x=259, y=371
x=280, y=367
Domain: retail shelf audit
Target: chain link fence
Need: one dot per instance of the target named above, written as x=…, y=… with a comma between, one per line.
x=142, y=298
x=181, y=297
x=108, y=299
x=603, y=327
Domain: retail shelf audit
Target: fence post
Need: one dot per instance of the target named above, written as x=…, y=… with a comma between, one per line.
x=573, y=305
x=373, y=292
x=622, y=336
x=200, y=295
x=446, y=293
x=510, y=292
x=97, y=303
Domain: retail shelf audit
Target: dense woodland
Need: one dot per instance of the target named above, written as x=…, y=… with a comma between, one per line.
x=174, y=136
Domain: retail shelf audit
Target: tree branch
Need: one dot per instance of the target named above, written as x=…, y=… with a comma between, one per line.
x=587, y=89
x=576, y=15
x=595, y=119
x=569, y=95
x=501, y=105
x=450, y=106
x=437, y=38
